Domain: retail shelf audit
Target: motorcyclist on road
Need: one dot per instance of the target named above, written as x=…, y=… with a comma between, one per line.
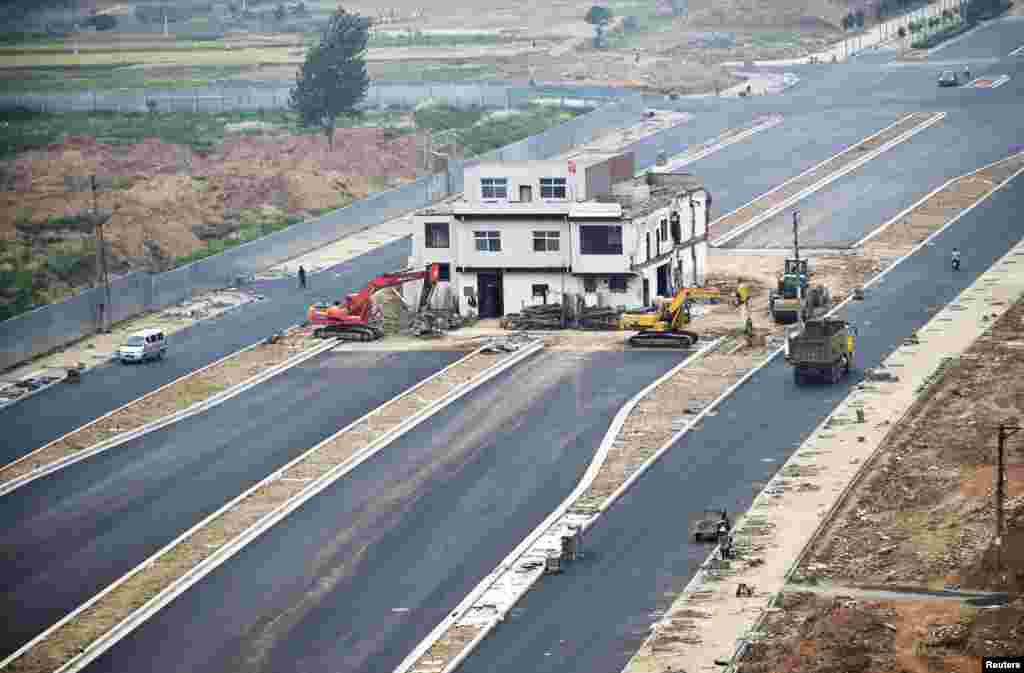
x=967, y=74
x=956, y=259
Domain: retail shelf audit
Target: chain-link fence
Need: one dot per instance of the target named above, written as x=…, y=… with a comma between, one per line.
x=231, y=97
x=52, y=326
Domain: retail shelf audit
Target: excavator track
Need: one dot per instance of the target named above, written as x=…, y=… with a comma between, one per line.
x=653, y=339
x=347, y=333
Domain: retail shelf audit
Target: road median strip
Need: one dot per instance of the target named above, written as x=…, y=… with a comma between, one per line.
x=720, y=142
x=710, y=622
x=98, y=624
x=640, y=437
x=186, y=396
x=769, y=204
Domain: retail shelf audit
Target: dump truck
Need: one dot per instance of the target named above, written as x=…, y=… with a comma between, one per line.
x=823, y=350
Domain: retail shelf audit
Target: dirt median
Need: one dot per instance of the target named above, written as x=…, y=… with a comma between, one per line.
x=73, y=637
x=165, y=401
x=741, y=216
x=920, y=517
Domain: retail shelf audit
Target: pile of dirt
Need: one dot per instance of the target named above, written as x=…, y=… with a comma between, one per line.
x=834, y=635
x=823, y=634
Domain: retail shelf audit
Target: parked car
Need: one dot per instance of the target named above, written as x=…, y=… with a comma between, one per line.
x=149, y=344
x=948, y=78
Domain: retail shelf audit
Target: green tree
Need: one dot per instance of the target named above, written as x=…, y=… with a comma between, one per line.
x=333, y=79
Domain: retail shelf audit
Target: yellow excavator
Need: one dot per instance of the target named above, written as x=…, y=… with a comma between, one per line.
x=663, y=328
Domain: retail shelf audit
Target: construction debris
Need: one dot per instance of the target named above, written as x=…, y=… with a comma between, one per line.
x=508, y=344
x=541, y=317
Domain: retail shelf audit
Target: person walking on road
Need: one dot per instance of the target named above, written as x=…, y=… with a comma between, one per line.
x=302, y=278
x=956, y=259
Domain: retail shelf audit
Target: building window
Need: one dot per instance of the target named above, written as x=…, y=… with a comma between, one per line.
x=664, y=229
x=589, y=284
x=541, y=291
x=552, y=188
x=436, y=234
x=601, y=240
x=545, y=241
x=525, y=193
x=494, y=188
x=487, y=241
x=444, y=272
x=617, y=284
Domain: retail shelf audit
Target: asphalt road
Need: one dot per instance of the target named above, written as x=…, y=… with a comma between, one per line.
x=638, y=557
x=846, y=210
x=357, y=576
x=54, y=412
x=68, y=535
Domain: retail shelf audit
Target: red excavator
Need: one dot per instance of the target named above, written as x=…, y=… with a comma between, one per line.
x=359, y=319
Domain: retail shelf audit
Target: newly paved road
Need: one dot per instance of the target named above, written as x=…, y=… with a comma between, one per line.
x=54, y=412
x=845, y=211
x=357, y=576
x=68, y=535
x=595, y=616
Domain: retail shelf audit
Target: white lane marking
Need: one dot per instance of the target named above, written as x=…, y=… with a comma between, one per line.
x=1019, y=51
x=822, y=183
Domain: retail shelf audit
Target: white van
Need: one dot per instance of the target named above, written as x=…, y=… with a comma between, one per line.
x=148, y=344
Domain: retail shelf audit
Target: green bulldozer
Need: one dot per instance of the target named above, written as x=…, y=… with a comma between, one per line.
x=795, y=299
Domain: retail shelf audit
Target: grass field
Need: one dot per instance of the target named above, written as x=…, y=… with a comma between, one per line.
x=60, y=79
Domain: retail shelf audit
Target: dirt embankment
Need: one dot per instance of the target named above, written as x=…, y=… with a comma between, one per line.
x=166, y=201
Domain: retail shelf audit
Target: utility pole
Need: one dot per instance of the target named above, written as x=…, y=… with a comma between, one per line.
x=94, y=184
x=796, y=240
x=1005, y=432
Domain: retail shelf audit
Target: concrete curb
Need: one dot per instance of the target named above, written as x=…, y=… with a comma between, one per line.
x=903, y=213
x=824, y=182
x=510, y=560
x=809, y=170
x=155, y=604
x=197, y=408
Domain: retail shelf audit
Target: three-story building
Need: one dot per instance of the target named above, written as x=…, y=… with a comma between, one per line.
x=527, y=232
